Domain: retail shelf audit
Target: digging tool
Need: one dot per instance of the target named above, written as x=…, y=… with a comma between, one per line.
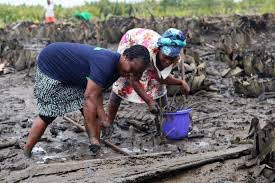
x=114, y=147
x=106, y=142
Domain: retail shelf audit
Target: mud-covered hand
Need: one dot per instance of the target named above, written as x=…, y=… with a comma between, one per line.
x=184, y=88
x=154, y=107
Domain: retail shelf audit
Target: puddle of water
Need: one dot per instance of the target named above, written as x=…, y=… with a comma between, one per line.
x=36, y=151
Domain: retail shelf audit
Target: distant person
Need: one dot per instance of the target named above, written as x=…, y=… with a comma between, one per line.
x=165, y=54
x=72, y=76
x=49, y=12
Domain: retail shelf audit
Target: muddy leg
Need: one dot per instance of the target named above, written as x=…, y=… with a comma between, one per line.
x=38, y=128
x=93, y=130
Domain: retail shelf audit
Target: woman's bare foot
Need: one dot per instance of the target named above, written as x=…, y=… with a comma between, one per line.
x=94, y=148
x=27, y=152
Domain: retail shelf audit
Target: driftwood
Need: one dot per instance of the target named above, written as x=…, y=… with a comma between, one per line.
x=106, y=142
x=8, y=144
x=126, y=169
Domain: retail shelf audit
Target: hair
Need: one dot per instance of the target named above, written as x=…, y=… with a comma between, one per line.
x=139, y=52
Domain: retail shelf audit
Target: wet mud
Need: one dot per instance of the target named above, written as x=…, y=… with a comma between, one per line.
x=222, y=118
x=220, y=115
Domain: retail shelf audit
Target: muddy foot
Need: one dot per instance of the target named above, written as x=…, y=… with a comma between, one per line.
x=27, y=153
x=94, y=148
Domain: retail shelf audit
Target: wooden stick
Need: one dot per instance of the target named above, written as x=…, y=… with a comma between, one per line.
x=114, y=147
x=107, y=143
x=75, y=123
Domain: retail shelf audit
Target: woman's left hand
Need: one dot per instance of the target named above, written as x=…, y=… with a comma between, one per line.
x=184, y=88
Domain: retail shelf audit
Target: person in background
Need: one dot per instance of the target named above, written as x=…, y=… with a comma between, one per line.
x=72, y=76
x=49, y=12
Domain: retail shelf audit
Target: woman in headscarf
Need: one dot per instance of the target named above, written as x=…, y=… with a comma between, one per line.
x=164, y=55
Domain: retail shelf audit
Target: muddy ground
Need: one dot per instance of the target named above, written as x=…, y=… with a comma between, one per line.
x=223, y=117
x=230, y=116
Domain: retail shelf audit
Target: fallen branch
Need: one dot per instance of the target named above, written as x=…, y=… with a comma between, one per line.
x=107, y=143
x=114, y=147
x=75, y=123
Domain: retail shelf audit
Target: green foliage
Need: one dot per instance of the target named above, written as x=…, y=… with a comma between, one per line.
x=163, y=8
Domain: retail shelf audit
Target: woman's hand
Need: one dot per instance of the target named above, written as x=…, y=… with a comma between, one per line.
x=184, y=87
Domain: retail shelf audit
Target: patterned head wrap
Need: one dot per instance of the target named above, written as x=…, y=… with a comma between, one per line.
x=171, y=42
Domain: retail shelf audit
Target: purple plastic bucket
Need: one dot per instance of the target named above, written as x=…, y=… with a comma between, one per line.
x=176, y=124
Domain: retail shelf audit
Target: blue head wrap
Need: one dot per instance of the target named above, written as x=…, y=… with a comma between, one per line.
x=171, y=42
